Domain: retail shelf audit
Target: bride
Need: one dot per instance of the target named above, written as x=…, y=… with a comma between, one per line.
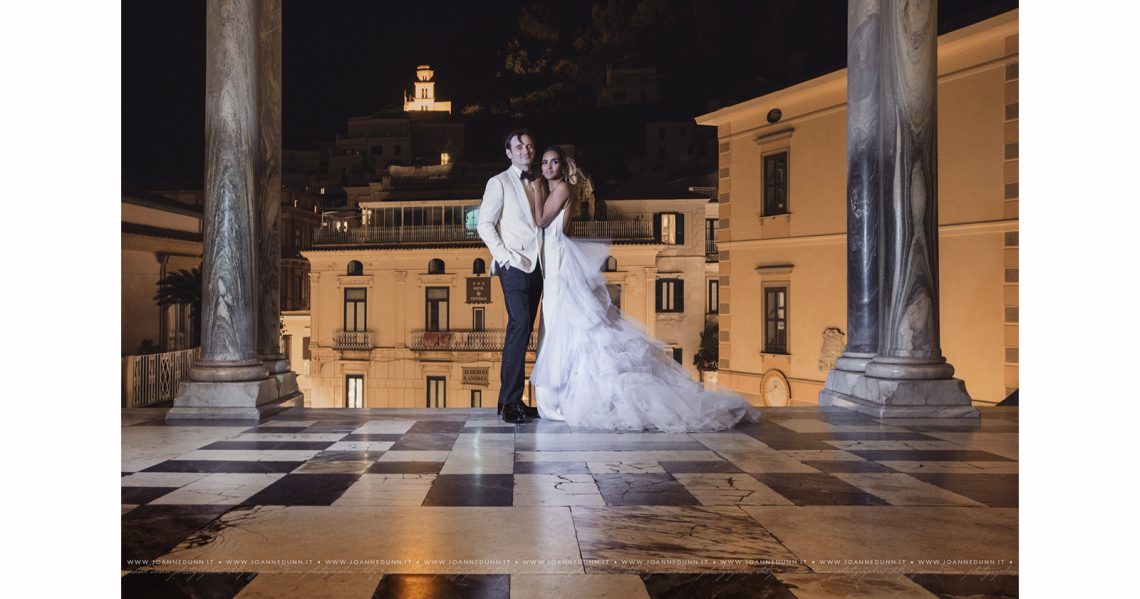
x=595, y=368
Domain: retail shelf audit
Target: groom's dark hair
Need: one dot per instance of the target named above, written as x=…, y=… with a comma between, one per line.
x=514, y=134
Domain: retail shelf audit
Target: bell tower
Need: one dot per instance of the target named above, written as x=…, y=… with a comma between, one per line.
x=423, y=97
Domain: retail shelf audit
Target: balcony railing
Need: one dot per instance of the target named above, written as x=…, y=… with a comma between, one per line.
x=712, y=254
x=352, y=340
x=613, y=229
x=154, y=378
x=463, y=340
x=352, y=234
x=381, y=235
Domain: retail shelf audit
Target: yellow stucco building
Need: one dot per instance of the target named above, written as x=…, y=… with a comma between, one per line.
x=403, y=312
x=783, y=223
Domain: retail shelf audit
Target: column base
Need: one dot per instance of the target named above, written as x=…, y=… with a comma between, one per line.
x=853, y=361
x=276, y=363
x=287, y=384
x=909, y=368
x=840, y=383
x=241, y=401
x=886, y=398
x=228, y=371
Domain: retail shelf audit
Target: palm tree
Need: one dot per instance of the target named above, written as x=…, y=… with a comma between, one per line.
x=184, y=287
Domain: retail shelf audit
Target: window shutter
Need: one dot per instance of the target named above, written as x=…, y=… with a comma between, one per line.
x=657, y=238
x=658, y=287
x=680, y=229
x=679, y=288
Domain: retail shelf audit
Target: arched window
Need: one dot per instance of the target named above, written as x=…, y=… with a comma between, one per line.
x=355, y=268
x=479, y=267
x=611, y=264
x=435, y=267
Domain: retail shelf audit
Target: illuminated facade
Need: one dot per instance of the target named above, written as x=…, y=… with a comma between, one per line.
x=405, y=314
x=783, y=222
x=423, y=96
x=160, y=235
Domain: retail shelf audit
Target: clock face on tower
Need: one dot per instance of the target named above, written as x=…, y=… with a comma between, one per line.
x=774, y=389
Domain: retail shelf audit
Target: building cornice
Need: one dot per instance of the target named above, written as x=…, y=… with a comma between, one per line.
x=950, y=230
x=835, y=84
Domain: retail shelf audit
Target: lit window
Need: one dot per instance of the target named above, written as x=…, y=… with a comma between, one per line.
x=444, y=158
x=669, y=228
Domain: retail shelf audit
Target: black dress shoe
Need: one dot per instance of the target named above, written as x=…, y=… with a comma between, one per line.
x=530, y=412
x=513, y=413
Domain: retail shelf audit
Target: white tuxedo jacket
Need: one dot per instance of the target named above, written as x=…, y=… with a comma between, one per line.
x=506, y=223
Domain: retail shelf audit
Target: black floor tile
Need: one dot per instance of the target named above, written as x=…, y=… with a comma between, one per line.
x=211, y=466
x=303, y=489
x=433, y=586
x=531, y=444
x=150, y=531
x=335, y=427
x=166, y=585
x=845, y=417
x=719, y=585
x=471, y=490
x=425, y=442
x=551, y=468
x=643, y=489
x=870, y=436
x=817, y=489
x=928, y=455
x=832, y=466
x=139, y=495
x=699, y=467
x=269, y=445
x=347, y=456
x=778, y=437
x=437, y=426
x=405, y=468
x=994, y=490
x=975, y=586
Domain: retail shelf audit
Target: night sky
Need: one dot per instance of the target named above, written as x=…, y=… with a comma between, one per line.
x=353, y=57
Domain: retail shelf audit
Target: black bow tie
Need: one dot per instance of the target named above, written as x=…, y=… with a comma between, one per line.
x=526, y=176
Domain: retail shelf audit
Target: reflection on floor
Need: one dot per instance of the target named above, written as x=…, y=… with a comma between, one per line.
x=811, y=503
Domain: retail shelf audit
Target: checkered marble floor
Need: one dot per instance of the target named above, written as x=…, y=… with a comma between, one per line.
x=811, y=503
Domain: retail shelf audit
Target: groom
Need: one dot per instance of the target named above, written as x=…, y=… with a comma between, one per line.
x=507, y=226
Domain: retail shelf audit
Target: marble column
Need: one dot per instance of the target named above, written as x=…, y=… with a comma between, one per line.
x=228, y=381
x=267, y=197
x=864, y=96
x=863, y=18
x=908, y=375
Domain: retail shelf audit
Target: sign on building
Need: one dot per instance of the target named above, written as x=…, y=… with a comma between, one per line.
x=478, y=290
x=475, y=376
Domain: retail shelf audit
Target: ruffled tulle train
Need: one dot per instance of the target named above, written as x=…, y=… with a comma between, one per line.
x=597, y=368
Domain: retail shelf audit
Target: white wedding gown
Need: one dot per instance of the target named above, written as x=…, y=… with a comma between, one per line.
x=597, y=368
